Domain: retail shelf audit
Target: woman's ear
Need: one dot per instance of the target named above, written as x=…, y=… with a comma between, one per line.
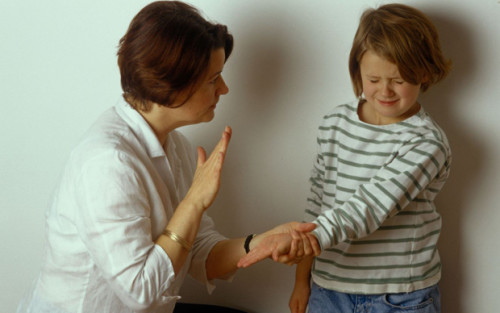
x=425, y=79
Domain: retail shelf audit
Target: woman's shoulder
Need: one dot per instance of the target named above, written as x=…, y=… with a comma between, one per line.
x=108, y=138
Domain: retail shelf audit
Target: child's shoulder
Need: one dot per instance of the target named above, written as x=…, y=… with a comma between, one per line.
x=348, y=110
x=424, y=125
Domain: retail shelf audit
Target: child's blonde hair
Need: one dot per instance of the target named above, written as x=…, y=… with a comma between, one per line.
x=404, y=36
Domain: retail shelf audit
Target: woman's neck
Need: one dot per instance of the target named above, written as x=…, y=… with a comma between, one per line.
x=160, y=121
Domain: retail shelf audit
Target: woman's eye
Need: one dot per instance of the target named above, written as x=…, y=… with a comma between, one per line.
x=213, y=81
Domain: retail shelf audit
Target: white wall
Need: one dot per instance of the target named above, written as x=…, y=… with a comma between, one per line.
x=58, y=73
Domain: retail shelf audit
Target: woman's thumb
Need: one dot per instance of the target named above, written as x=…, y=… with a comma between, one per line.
x=202, y=156
x=305, y=227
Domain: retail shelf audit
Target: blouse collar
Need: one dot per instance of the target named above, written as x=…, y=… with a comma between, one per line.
x=141, y=129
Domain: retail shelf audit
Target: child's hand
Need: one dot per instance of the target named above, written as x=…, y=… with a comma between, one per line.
x=300, y=298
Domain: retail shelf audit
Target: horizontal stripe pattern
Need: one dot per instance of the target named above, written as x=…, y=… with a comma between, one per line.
x=371, y=194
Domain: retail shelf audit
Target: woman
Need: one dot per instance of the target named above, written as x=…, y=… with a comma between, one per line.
x=127, y=222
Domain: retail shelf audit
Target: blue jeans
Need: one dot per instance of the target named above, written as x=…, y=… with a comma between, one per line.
x=328, y=301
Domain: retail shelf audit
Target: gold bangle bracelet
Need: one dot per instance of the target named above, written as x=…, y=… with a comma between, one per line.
x=183, y=242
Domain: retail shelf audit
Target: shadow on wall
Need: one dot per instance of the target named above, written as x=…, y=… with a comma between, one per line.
x=441, y=101
x=257, y=77
x=259, y=74
x=263, y=62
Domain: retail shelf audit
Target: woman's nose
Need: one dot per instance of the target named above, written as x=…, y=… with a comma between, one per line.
x=223, y=89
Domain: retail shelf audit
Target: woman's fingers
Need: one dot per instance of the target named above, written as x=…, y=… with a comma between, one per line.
x=206, y=181
x=316, y=249
x=304, y=246
x=223, y=143
x=217, y=157
x=202, y=156
x=219, y=149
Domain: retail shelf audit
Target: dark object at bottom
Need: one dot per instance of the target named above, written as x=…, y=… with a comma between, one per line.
x=203, y=308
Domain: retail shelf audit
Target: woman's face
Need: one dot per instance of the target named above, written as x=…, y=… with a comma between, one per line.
x=201, y=105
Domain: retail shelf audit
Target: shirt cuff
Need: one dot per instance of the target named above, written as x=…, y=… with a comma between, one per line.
x=198, y=269
x=323, y=238
x=168, y=290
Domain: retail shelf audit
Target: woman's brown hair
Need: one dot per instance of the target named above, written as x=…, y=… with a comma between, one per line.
x=404, y=36
x=166, y=51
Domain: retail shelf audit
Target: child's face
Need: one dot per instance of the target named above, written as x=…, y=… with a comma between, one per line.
x=389, y=99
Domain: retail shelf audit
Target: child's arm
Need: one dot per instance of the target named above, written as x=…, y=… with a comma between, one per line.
x=417, y=171
x=302, y=288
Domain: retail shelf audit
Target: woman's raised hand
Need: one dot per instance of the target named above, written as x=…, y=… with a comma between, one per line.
x=206, y=181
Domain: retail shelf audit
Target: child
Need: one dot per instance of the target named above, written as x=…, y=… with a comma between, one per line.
x=381, y=162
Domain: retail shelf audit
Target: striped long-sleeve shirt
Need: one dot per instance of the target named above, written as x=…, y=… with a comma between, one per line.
x=372, y=192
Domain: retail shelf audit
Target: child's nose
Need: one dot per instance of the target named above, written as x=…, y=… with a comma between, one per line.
x=387, y=89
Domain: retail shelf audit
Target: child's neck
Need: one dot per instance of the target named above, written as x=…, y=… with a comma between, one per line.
x=367, y=114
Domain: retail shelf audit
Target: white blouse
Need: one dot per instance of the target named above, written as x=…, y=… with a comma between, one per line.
x=117, y=192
